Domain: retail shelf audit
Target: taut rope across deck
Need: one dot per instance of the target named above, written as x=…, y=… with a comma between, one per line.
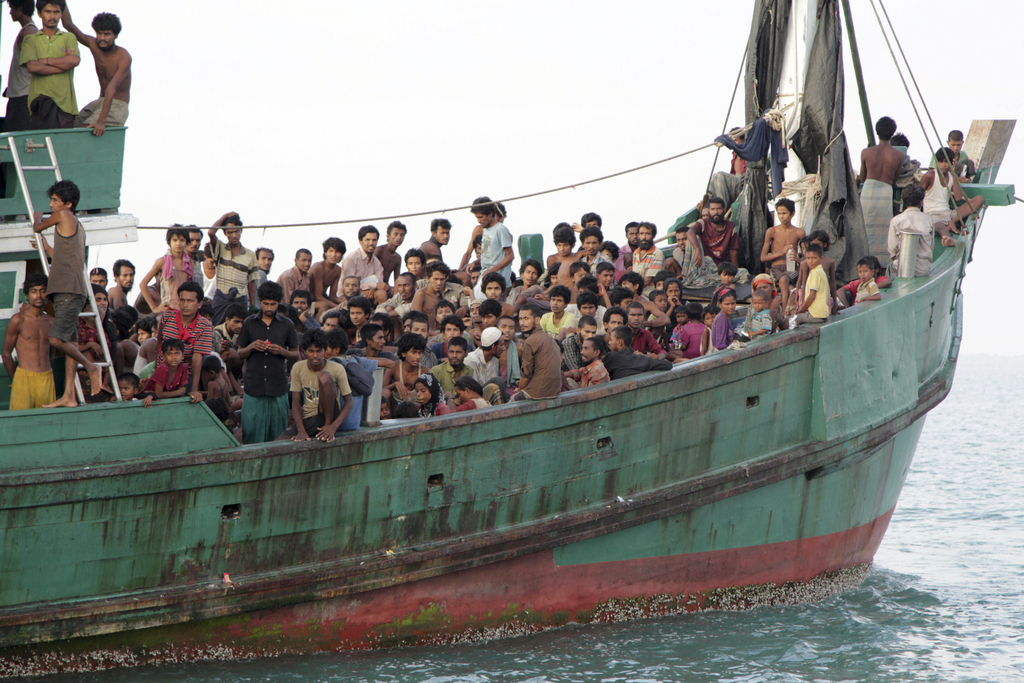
x=375, y=219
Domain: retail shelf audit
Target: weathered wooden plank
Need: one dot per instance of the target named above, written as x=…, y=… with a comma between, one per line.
x=987, y=141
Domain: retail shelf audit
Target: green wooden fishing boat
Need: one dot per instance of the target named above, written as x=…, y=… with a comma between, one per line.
x=749, y=477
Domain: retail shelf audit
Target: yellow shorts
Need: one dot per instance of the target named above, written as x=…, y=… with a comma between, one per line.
x=32, y=389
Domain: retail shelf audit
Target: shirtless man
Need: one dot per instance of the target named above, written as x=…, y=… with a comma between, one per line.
x=879, y=169
x=400, y=379
x=564, y=239
x=440, y=234
x=323, y=277
x=883, y=161
x=124, y=276
x=425, y=300
x=28, y=332
x=113, y=68
x=778, y=242
x=387, y=253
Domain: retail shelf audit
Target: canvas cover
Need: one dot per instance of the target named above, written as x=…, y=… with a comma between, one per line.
x=821, y=136
x=765, y=49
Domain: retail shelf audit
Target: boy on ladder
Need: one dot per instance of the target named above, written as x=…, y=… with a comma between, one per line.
x=67, y=286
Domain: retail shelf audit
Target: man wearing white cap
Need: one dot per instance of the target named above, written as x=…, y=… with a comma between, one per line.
x=484, y=364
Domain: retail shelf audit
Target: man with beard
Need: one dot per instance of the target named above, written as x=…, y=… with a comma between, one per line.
x=718, y=238
x=297, y=277
x=401, y=302
x=440, y=233
x=124, y=275
x=541, y=359
x=591, y=239
x=195, y=240
x=453, y=367
x=264, y=262
x=51, y=56
x=361, y=263
x=484, y=364
x=113, y=68
x=648, y=260
x=625, y=260
x=268, y=343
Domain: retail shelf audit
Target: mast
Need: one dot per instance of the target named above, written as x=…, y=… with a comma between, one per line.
x=859, y=74
x=799, y=36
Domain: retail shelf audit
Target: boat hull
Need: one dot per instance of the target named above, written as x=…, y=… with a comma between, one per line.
x=657, y=568
x=742, y=478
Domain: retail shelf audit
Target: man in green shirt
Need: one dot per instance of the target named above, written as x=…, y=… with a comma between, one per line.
x=453, y=367
x=51, y=56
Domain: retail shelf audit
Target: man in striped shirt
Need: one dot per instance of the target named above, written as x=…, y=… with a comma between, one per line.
x=647, y=258
x=194, y=331
x=233, y=265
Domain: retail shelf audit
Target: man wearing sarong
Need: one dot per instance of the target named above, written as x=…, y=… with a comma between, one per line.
x=729, y=185
x=879, y=168
x=709, y=242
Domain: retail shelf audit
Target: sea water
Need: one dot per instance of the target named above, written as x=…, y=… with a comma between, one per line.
x=943, y=602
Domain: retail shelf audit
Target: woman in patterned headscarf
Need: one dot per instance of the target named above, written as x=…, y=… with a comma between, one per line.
x=428, y=395
x=766, y=282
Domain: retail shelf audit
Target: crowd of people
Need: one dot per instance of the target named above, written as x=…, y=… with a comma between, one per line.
x=294, y=358
x=40, y=88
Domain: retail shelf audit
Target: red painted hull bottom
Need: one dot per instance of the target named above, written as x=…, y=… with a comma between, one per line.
x=515, y=597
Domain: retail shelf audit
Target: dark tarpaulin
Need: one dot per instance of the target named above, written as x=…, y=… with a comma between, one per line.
x=821, y=136
x=766, y=48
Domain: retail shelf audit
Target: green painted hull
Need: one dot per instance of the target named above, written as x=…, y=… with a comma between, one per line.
x=747, y=477
x=778, y=464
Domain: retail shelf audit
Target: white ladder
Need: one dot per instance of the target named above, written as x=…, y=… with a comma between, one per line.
x=54, y=167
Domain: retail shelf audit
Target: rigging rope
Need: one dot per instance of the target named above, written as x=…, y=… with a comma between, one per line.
x=376, y=219
x=725, y=125
x=920, y=95
x=896, y=62
x=909, y=70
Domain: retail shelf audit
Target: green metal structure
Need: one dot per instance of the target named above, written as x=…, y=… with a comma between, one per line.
x=747, y=477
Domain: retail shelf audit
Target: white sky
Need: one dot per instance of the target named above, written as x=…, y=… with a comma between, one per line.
x=326, y=111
